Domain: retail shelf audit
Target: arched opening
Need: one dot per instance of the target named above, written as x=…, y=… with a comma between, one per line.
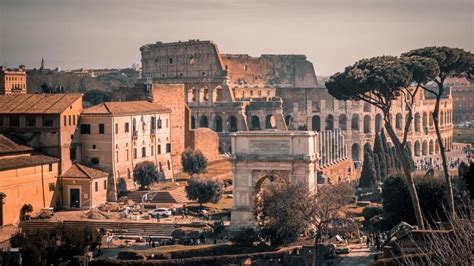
x=378, y=123
x=270, y=122
x=255, y=123
x=262, y=186
x=218, y=123
x=436, y=147
x=417, y=148
x=417, y=122
x=203, y=94
x=355, y=152
x=425, y=120
x=232, y=124
x=366, y=107
x=441, y=118
x=431, y=148
x=430, y=119
x=192, y=95
x=367, y=147
x=355, y=122
x=134, y=125
x=424, y=148
x=193, y=122
x=288, y=121
x=203, y=122
x=398, y=121
x=316, y=123
x=367, y=124
x=343, y=122
x=330, y=122
x=217, y=94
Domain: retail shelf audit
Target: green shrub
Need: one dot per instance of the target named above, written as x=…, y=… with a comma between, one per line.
x=369, y=212
x=244, y=237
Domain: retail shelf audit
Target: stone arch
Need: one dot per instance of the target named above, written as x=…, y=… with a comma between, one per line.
x=255, y=123
x=367, y=121
x=270, y=122
x=343, y=122
x=355, y=152
x=417, y=122
x=330, y=122
x=424, y=148
x=191, y=95
x=288, y=121
x=316, y=123
x=203, y=94
x=436, y=150
x=355, y=122
x=217, y=94
x=398, y=121
x=217, y=123
x=417, y=148
x=193, y=122
x=366, y=107
x=431, y=147
x=203, y=122
x=232, y=124
x=378, y=123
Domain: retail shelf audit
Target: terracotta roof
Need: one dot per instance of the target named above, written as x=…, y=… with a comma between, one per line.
x=37, y=103
x=125, y=108
x=81, y=171
x=9, y=146
x=25, y=161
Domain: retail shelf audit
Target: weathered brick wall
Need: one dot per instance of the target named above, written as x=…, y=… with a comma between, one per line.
x=341, y=171
x=205, y=140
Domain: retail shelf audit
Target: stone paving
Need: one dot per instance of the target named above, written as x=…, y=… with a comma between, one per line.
x=359, y=255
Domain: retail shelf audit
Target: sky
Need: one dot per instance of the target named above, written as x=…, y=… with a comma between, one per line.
x=73, y=34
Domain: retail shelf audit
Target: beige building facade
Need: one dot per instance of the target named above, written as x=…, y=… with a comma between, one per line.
x=12, y=81
x=116, y=136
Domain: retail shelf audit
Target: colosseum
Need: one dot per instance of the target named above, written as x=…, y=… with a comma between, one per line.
x=238, y=92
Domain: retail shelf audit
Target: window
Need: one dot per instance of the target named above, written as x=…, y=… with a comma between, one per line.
x=143, y=151
x=117, y=156
x=101, y=128
x=50, y=167
x=135, y=153
x=171, y=61
x=51, y=187
x=74, y=120
x=127, y=127
x=245, y=67
x=94, y=147
x=1, y=121
x=70, y=120
x=72, y=153
x=158, y=123
x=96, y=186
x=31, y=121
x=168, y=147
x=151, y=150
x=127, y=154
x=65, y=121
x=158, y=149
x=166, y=122
x=14, y=121
x=85, y=129
x=105, y=184
x=116, y=128
x=169, y=165
x=95, y=161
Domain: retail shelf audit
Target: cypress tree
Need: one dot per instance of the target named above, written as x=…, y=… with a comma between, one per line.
x=380, y=152
x=368, y=175
x=377, y=167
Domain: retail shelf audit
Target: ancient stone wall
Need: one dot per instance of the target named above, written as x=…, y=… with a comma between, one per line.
x=205, y=140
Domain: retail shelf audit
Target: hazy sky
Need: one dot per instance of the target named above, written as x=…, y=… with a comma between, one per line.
x=331, y=33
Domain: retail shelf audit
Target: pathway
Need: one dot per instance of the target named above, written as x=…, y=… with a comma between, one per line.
x=359, y=255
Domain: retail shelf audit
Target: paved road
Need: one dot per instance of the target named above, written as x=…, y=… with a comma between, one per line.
x=359, y=255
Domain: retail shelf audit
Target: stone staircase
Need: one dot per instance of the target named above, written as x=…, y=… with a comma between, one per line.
x=176, y=195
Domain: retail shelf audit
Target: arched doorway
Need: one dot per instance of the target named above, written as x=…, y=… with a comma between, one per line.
x=367, y=124
x=288, y=121
x=417, y=148
x=355, y=152
x=398, y=121
x=316, y=123
x=203, y=122
x=355, y=122
x=218, y=123
x=255, y=123
x=232, y=124
x=417, y=122
x=330, y=122
x=343, y=122
x=378, y=123
x=424, y=148
x=270, y=122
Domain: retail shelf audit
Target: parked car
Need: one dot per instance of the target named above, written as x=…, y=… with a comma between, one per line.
x=160, y=212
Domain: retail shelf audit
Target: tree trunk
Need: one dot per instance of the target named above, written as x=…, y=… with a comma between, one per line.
x=408, y=176
x=449, y=185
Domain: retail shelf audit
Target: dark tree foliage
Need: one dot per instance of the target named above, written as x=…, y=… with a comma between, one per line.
x=53, y=246
x=368, y=176
x=204, y=190
x=377, y=166
x=145, y=173
x=379, y=151
x=244, y=237
x=93, y=97
x=193, y=162
x=468, y=177
x=396, y=201
x=25, y=211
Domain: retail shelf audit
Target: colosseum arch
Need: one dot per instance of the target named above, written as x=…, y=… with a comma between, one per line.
x=316, y=123
x=367, y=121
x=255, y=123
x=424, y=148
x=430, y=119
x=431, y=147
x=378, y=123
x=217, y=94
x=217, y=123
x=355, y=150
x=232, y=124
x=330, y=122
x=193, y=122
x=417, y=148
x=203, y=94
x=436, y=150
x=270, y=122
x=191, y=95
x=366, y=107
x=417, y=122
x=288, y=121
x=203, y=122
x=343, y=122
x=367, y=147
x=355, y=122
x=425, y=120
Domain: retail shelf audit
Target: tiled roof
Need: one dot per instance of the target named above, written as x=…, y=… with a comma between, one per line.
x=81, y=171
x=25, y=161
x=9, y=146
x=125, y=108
x=36, y=103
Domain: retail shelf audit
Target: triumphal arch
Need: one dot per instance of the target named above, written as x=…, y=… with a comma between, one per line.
x=275, y=156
